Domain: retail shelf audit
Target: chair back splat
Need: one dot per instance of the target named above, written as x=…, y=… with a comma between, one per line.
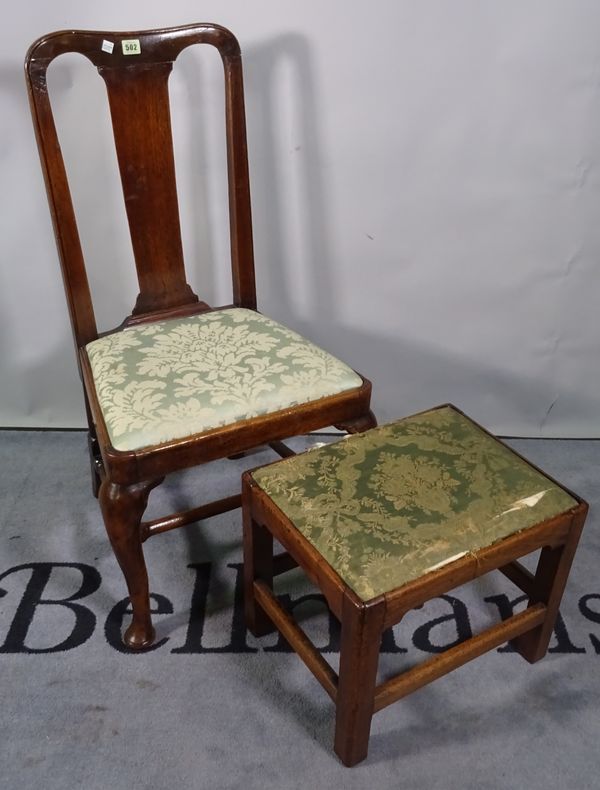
x=138, y=95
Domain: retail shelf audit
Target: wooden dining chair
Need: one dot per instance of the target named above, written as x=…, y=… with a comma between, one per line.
x=178, y=383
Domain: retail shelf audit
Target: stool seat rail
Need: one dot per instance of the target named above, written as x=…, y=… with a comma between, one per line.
x=405, y=683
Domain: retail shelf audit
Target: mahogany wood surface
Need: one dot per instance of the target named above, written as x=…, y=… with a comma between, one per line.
x=362, y=627
x=122, y=508
x=144, y=149
x=180, y=519
x=363, y=623
x=518, y=575
x=258, y=566
x=548, y=587
x=147, y=168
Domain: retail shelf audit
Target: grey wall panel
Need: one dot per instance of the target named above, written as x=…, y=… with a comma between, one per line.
x=426, y=196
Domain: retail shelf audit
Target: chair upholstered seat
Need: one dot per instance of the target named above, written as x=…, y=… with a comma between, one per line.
x=387, y=506
x=171, y=379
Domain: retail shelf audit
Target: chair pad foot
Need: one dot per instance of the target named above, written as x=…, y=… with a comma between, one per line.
x=137, y=637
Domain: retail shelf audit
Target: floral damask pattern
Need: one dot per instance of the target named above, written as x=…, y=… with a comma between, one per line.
x=389, y=505
x=175, y=378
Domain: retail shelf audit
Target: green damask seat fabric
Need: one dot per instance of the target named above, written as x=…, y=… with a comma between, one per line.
x=387, y=506
x=172, y=379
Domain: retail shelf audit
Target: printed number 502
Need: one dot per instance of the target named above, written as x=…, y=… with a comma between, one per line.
x=131, y=46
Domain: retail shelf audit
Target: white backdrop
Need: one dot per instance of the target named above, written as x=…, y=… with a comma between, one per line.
x=426, y=197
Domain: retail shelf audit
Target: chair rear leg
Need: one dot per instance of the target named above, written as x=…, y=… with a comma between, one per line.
x=96, y=464
x=122, y=509
x=96, y=467
x=359, y=424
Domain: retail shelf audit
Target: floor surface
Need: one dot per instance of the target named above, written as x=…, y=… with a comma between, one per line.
x=211, y=707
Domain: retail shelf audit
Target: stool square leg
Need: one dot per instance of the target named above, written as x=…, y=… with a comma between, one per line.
x=362, y=628
x=549, y=584
x=258, y=564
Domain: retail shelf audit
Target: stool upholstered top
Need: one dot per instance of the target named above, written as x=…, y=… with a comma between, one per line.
x=389, y=505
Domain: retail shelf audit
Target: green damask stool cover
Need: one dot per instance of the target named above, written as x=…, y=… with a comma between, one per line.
x=172, y=379
x=389, y=505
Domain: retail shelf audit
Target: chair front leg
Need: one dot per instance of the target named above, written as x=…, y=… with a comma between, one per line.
x=122, y=509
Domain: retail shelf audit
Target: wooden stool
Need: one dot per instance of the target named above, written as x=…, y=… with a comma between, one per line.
x=385, y=520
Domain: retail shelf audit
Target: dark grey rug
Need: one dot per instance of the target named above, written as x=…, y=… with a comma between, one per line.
x=211, y=707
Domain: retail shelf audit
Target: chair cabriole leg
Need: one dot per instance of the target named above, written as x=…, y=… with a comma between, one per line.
x=122, y=508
